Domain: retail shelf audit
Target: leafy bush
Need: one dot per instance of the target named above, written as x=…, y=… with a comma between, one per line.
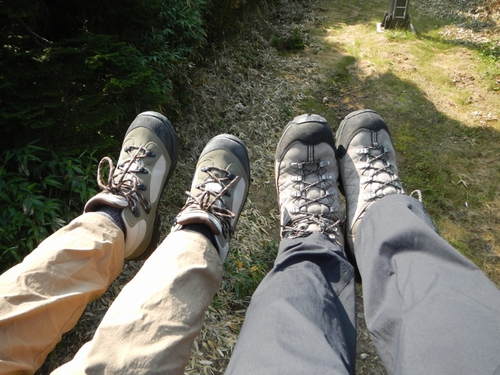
x=72, y=76
x=75, y=72
x=40, y=191
x=292, y=42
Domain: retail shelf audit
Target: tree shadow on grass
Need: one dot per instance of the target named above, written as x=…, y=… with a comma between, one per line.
x=451, y=163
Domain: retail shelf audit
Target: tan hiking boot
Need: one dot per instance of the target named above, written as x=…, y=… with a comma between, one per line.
x=219, y=190
x=147, y=160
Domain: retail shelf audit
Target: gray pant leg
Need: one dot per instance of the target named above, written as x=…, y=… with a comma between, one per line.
x=301, y=317
x=428, y=308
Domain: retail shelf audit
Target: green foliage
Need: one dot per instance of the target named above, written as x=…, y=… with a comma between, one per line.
x=75, y=72
x=72, y=76
x=245, y=271
x=491, y=49
x=64, y=94
x=292, y=42
x=40, y=191
x=286, y=113
x=222, y=15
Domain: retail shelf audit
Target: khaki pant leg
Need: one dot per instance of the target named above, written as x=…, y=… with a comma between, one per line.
x=152, y=323
x=44, y=296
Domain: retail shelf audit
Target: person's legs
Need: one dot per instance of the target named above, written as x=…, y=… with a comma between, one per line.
x=429, y=309
x=44, y=296
x=301, y=318
x=151, y=325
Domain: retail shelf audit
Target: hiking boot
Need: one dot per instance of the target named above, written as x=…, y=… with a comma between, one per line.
x=147, y=160
x=219, y=190
x=367, y=163
x=306, y=179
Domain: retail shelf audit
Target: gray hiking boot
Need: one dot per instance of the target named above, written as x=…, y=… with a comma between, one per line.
x=306, y=179
x=219, y=190
x=367, y=163
x=147, y=160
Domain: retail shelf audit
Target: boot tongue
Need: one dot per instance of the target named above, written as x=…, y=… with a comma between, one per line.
x=285, y=217
x=106, y=199
x=213, y=187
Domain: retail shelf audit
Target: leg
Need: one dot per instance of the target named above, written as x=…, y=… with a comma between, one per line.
x=428, y=309
x=44, y=296
x=151, y=325
x=301, y=318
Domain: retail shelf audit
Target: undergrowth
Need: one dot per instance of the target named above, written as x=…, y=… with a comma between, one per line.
x=40, y=191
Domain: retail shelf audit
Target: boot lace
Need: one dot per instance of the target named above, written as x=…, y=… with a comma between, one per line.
x=211, y=200
x=376, y=166
x=301, y=226
x=123, y=179
x=303, y=223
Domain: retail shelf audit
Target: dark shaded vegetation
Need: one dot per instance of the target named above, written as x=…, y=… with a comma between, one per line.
x=72, y=77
